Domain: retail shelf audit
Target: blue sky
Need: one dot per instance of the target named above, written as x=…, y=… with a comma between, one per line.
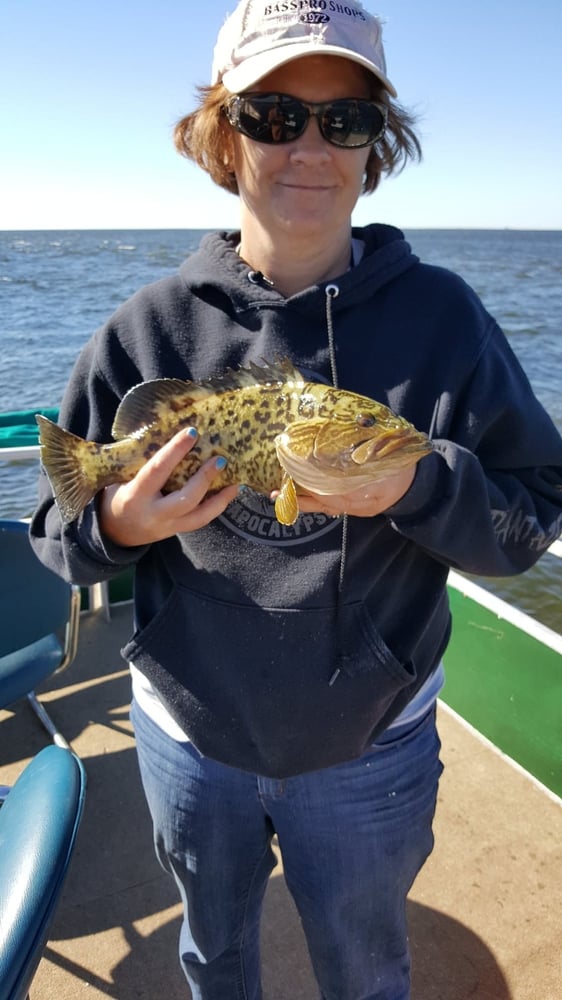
x=91, y=93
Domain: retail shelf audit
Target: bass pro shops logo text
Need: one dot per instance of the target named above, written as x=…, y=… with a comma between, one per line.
x=313, y=11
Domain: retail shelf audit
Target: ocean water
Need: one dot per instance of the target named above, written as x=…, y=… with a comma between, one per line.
x=57, y=287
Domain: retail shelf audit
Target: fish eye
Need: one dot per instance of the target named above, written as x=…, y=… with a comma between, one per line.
x=365, y=420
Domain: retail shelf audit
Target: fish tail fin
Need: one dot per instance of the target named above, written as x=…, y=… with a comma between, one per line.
x=67, y=460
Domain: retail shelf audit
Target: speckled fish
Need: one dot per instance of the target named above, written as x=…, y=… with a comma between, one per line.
x=276, y=430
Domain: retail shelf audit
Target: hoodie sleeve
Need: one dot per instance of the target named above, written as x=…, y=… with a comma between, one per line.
x=488, y=500
x=78, y=551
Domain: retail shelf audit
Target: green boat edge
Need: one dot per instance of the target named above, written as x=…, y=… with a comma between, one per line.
x=503, y=676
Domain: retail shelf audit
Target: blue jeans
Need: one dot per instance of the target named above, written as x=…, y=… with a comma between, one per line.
x=352, y=838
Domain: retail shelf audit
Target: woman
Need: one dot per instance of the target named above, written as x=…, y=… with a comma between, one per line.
x=285, y=679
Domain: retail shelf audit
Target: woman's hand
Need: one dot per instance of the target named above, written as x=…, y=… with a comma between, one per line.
x=137, y=513
x=366, y=501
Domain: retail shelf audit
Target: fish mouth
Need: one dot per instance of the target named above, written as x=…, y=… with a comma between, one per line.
x=373, y=449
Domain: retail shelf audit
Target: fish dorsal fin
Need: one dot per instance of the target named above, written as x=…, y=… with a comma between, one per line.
x=281, y=370
x=145, y=403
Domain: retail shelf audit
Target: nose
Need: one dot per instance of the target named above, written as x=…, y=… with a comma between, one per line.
x=311, y=145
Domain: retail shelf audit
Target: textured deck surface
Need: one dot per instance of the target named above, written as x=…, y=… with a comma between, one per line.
x=485, y=914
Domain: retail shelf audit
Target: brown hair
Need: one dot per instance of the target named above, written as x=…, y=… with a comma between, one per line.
x=204, y=136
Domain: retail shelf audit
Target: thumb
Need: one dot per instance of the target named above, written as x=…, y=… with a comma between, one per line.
x=155, y=474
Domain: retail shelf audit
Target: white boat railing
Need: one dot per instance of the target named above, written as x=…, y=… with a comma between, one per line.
x=556, y=548
x=98, y=593
x=508, y=612
x=20, y=454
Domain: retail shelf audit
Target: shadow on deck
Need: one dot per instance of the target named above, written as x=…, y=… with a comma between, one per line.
x=485, y=914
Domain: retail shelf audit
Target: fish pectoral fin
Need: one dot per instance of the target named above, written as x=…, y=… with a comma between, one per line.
x=286, y=504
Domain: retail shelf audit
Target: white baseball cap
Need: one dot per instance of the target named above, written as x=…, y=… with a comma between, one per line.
x=258, y=37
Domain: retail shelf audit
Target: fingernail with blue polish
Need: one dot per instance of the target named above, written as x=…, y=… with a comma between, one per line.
x=192, y=433
x=220, y=463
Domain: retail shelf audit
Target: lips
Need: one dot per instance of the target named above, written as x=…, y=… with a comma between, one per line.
x=382, y=446
x=308, y=187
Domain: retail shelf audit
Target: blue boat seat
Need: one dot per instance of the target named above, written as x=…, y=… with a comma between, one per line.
x=38, y=825
x=39, y=622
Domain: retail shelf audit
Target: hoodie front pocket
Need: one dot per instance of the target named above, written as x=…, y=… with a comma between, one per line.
x=363, y=649
x=251, y=685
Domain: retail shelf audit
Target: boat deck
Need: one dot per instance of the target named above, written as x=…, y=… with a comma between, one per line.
x=485, y=914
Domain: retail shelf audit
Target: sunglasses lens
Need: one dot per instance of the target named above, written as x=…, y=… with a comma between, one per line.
x=352, y=123
x=273, y=118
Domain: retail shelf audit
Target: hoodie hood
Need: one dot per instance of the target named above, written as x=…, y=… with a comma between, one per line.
x=387, y=255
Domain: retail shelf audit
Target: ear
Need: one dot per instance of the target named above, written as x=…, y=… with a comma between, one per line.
x=228, y=157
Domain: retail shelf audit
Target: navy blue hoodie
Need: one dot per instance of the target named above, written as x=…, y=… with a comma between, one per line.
x=241, y=625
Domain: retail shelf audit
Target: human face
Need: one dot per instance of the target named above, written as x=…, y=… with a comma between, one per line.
x=307, y=187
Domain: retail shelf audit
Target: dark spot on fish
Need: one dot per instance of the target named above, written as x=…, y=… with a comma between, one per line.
x=215, y=439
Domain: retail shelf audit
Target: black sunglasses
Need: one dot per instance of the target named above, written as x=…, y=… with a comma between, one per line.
x=348, y=122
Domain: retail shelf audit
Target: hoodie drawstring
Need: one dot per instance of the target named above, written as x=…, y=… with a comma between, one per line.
x=332, y=291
